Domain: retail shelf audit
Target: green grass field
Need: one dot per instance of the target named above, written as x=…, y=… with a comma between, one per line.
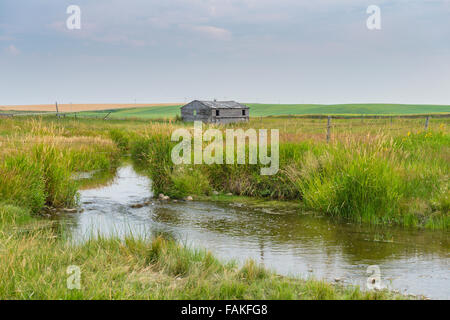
x=263, y=110
x=141, y=112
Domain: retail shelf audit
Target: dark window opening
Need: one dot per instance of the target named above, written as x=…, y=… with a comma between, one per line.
x=217, y=113
x=243, y=112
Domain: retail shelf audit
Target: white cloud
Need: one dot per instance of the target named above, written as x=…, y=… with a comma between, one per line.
x=213, y=32
x=12, y=50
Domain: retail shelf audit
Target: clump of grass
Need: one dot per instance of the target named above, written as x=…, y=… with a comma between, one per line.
x=252, y=271
x=22, y=183
x=353, y=185
x=59, y=189
x=188, y=181
x=13, y=215
x=120, y=138
x=172, y=258
x=246, y=180
x=153, y=152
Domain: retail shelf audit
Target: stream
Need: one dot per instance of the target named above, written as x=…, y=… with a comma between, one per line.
x=290, y=243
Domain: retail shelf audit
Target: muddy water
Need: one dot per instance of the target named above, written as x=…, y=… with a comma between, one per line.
x=291, y=243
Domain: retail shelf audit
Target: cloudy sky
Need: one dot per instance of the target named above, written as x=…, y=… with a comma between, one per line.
x=288, y=51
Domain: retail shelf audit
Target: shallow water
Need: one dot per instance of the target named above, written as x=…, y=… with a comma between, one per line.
x=291, y=243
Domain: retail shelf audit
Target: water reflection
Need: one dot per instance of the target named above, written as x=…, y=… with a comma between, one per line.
x=288, y=242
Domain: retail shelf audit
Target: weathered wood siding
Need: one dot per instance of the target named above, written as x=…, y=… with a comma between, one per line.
x=203, y=113
x=229, y=115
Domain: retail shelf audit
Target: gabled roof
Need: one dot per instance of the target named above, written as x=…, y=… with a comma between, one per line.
x=222, y=104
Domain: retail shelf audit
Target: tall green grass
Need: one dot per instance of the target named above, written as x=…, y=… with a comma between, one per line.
x=354, y=185
x=402, y=180
x=22, y=183
x=36, y=170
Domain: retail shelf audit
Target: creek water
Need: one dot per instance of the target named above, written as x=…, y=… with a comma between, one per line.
x=290, y=243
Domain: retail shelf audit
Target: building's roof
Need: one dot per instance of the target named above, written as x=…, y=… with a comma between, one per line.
x=223, y=104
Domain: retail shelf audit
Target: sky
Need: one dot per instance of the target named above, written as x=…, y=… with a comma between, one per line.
x=273, y=51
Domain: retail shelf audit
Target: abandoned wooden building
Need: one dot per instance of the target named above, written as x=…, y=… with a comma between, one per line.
x=215, y=111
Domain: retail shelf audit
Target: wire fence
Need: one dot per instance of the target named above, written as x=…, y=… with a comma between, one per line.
x=313, y=124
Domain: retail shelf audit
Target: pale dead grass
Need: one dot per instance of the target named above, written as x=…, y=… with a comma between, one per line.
x=11, y=146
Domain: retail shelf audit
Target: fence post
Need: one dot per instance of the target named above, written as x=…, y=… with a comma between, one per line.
x=57, y=111
x=426, y=123
x=328, y=128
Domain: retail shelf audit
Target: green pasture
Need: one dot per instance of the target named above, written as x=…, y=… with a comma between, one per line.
x=264, y=110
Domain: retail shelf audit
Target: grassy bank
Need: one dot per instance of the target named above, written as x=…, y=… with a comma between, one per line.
x=37, y=167
x=377, y=178
x=35, y=258
x=38, y=160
